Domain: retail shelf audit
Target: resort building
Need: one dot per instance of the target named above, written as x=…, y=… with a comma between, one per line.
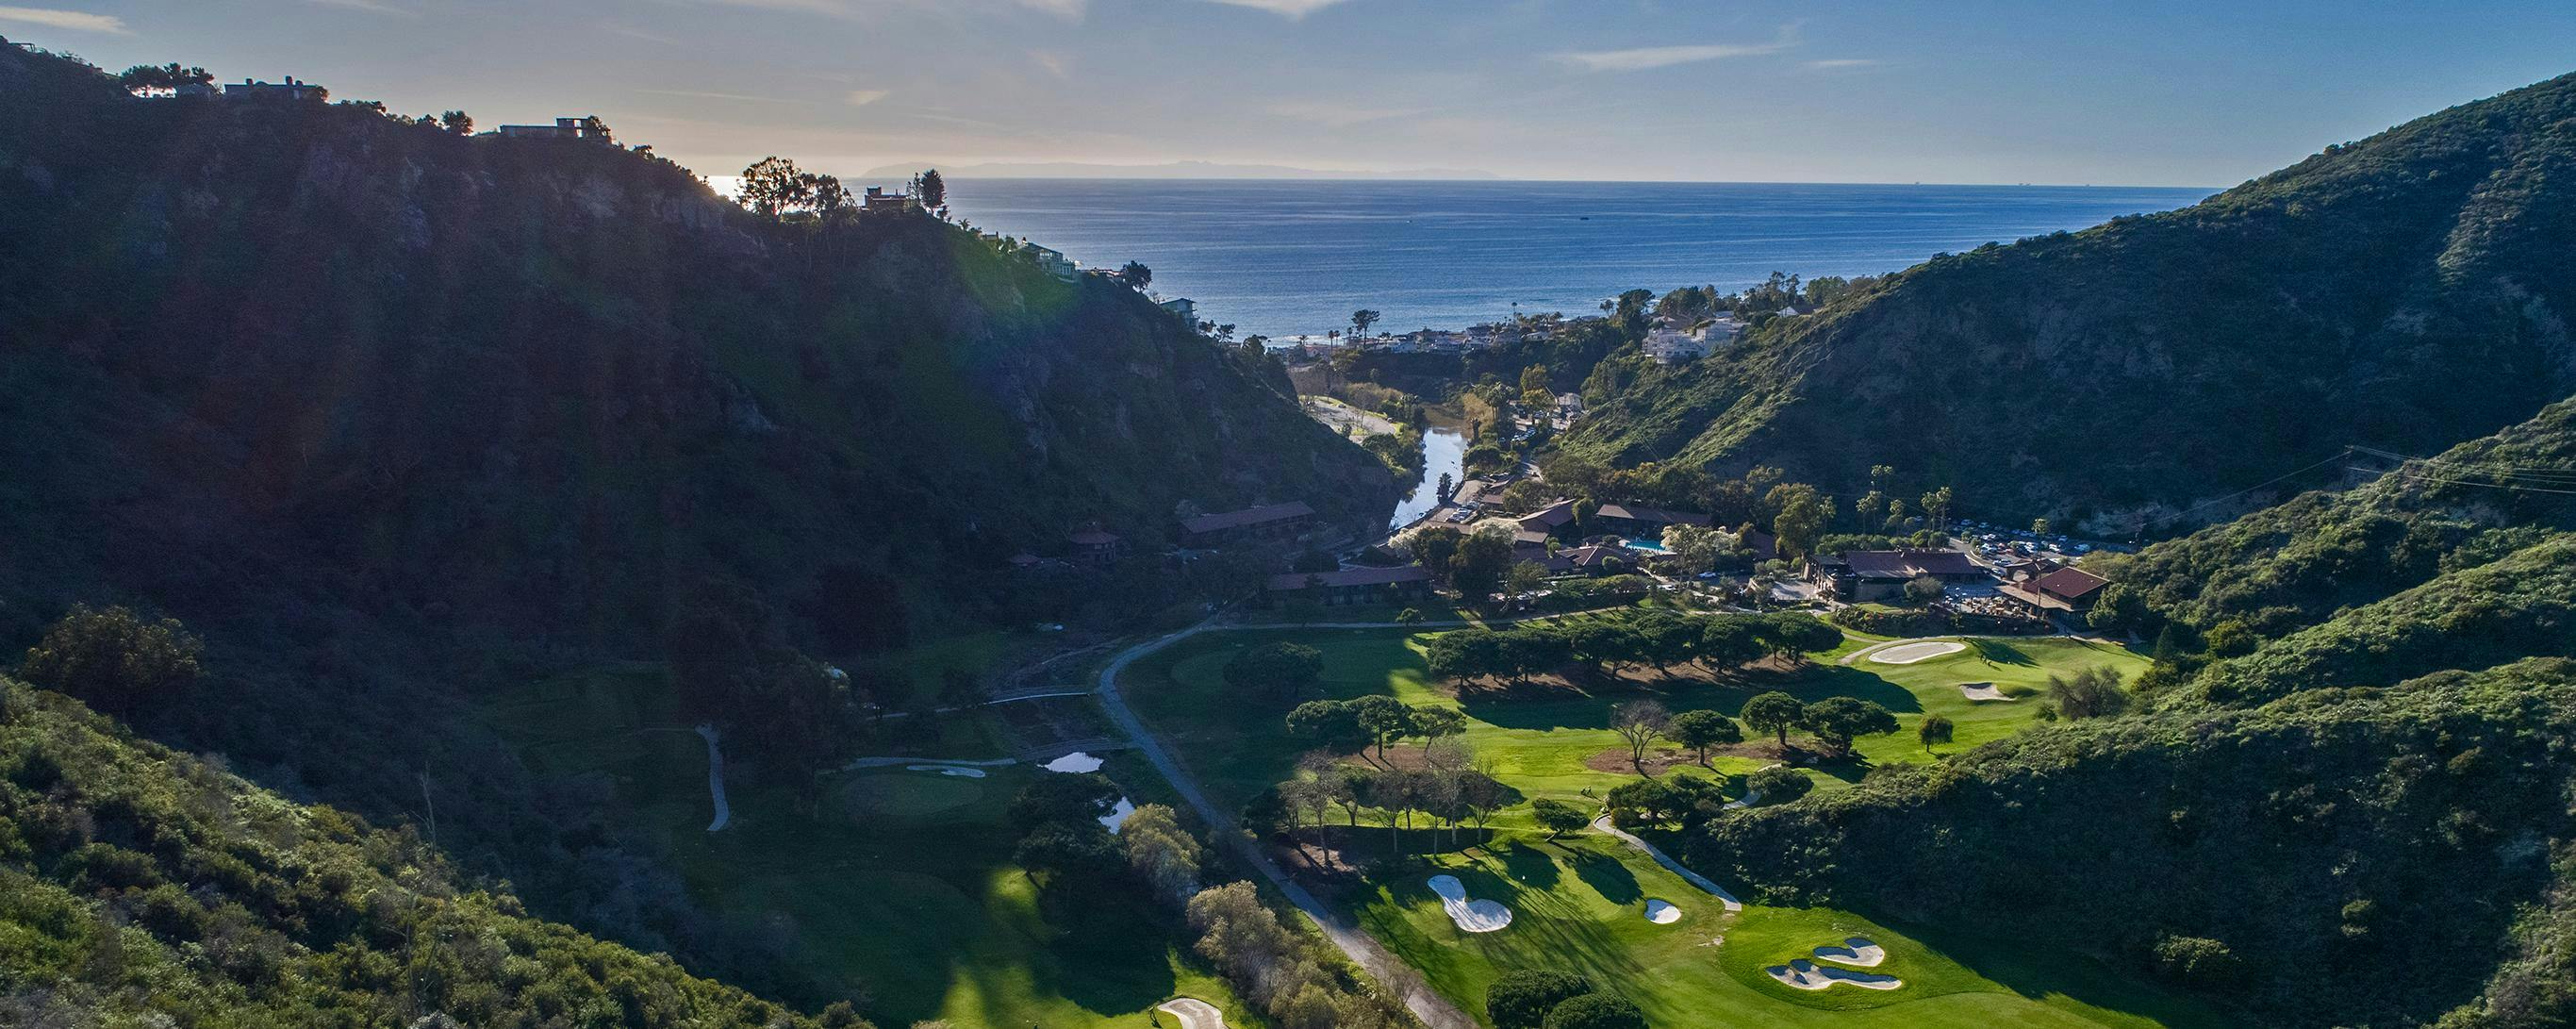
x=2068, y=590
x=1866, y=575
x=1351, y=586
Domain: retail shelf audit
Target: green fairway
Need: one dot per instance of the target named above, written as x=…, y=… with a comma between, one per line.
x=1579, y=903
x=901, y=884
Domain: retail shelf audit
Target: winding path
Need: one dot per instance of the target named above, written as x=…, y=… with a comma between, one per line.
x=1193, y=1013
x=1434, y=1010
x=1724, y=899
x=715, y=777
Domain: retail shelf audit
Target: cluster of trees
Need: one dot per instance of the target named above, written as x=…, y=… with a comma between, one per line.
x=115, y=660
x=731, y=666
x=1806, y=519
x=1539, y=998
x=1061, y=837
x=1448, y=791
x=1693, y=304
x=1835, y=722
x=1475, y=564
x=2089, y=693
x=1348, y=726
x=1656, y=639
x=1293, y=977
x=1283, y=671
x=774, y=187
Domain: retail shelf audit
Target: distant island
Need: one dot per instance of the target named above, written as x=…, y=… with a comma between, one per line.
x=1170, y=170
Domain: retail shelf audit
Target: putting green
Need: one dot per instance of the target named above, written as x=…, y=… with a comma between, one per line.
x=906, y=794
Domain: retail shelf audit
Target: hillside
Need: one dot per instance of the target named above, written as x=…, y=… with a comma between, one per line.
x=2361, y=858
x=401, y=420
x=2404, y=292
x=2462, y=560
x=140, y=886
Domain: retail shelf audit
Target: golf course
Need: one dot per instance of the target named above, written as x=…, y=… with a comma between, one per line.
x=1466, y=906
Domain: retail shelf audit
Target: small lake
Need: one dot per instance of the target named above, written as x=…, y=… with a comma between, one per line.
x=1443, y=453
x=1078, y=762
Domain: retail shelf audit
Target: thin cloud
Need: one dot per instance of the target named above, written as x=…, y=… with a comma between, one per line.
x=703, y=95
x=1056, y=64
x=369, y=6
x=1649, y=57
x=1844, y=62
x=864, y=97
x=1282, y=8
x=76, y=21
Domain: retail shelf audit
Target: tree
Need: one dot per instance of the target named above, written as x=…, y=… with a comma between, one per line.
x=1641, y=723
x=1437, y=723
x=1935, y=729
x=1135, y=274
x=1774, y=712
x=162, y=76
x=457, y=122
x=1361, y=320
x=1791, y=635
x=1332, y=724
x=1693, y=547
x=1558, y=817
x=1480, y=564
x=2091, y=693
x=1802, y=517
x=1160, y=852
x=1596, y=1011
x=1534, y=391
x=1409, y=616
x=1778, y=784
x=1524, y=577
x=2039, y=526
x=1701, y=730
x=930, y=190
x=113, y=659
x=773, y=187
x=1730, y=642
x=1583, y=510
x=1071, y=853
x=1837, y=721
x=2118, y=607
x=1521, y=999
x=1922, y=589
x=1275, y=669
x=1384, y=719
x=1937, y=505
x=1434, y=546
x=1083, y=797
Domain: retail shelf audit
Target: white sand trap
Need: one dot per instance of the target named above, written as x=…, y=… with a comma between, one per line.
x=962, y=773
x=1475, y=916
x=1803, y=974
x=1662, y=912
x=1909, y=653
x=1981, y=691
x=1857, y=952
x=1193, y=1013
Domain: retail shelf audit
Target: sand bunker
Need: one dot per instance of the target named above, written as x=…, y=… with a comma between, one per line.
x=1981, y=691
x=1803, y=974
x=963, y=773
x=1909, y=653
x=1857, y=952
x=1193, y=1013
x=1475, y=916
x=1662, y=912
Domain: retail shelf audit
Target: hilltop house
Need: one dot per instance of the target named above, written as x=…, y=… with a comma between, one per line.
x=1094, y=545
x=253, y=89
x=1866, y=575
x=1351, y=586
x=1183, y=307
x=1273, y=523
x=563, y=128
x=877, y=199
x=1053, y=262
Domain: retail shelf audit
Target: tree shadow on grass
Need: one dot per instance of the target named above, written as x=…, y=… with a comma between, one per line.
x=2036, y=974
x=2001, y=652
x=1530, y=865
x=1823, y=681
x=1607, y=877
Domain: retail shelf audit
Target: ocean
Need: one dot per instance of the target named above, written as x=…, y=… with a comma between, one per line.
x=1283, y=258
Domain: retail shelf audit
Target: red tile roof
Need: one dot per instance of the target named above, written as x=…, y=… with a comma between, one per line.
x=2068, y=583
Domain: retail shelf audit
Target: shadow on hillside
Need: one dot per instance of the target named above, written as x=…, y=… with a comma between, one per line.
x=2001, y=652
x=1612, y=880
x=1530, y=865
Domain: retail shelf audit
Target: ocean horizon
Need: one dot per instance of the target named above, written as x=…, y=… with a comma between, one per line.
x=1285, y=257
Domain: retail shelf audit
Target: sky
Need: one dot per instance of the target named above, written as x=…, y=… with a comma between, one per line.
x=2172, y=92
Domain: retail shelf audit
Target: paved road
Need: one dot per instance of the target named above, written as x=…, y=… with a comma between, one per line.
x=1193, y=1013
x=1434, y=1010
x=715, y=777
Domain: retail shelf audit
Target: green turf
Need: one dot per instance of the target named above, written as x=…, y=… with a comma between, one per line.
x=1579, y=902
x=901, y=885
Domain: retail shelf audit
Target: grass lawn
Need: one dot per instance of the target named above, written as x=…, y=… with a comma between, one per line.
x=902, y=884
x=1579, y=902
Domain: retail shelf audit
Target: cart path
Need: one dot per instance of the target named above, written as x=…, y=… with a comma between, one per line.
x=715, y=777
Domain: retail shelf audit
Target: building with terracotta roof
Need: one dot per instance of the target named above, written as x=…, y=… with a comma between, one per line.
x=2066, y=589
x=1866, y=575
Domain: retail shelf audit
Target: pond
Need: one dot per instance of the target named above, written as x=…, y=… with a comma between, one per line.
x=1443, y=453
x=1082, y=762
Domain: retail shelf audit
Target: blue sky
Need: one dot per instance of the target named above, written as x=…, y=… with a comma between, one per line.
x=2175, y=92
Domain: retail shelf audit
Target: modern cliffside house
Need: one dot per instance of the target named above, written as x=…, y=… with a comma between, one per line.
x=253, y=89
x=1275, y=523
x=1351, y=586
x=563, y=128
x=1183, y=307
x=1866, y=575
x=1054, y=262
x=877, y=199
x=2071, y=590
